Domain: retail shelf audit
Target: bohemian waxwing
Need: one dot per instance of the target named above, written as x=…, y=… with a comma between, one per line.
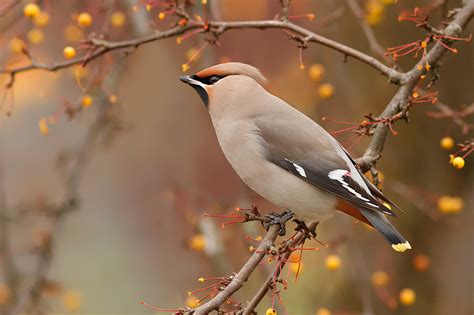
x=285, y=156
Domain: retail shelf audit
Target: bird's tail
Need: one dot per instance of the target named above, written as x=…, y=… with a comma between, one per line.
x=383, y=225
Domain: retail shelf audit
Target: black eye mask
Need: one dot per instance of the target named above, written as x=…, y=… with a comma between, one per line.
x=210, y=80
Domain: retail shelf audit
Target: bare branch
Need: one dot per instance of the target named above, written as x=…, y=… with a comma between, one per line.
x=369, y=33
x=242, y=276
x=292, y=242
x=100, y=47
x=400, y=101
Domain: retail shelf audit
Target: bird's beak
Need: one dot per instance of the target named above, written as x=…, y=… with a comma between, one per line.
x=186, y=79
x=191, y=81
x=198, y=86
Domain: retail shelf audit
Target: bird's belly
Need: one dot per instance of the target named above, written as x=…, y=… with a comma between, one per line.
x=273, y=183
x=290, y=192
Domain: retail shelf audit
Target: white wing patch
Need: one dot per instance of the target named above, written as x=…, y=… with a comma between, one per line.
x=339, y=176
x=298, y=168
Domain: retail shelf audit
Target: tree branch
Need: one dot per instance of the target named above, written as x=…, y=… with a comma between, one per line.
x=100, y=47
x=267, y=285
x=411, y=78
x=242, y=276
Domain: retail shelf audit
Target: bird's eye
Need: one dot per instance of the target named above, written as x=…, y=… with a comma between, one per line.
x=214, y=79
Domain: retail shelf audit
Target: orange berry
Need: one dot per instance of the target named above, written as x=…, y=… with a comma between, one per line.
x=421, y=262
x=192, y=301
x=380, y=278
x=458, y=162
x=118, y=19
x=84, y=19
x=447, y=143
x=16, y=45
x=41, y=19
x=73, y=33
x=296, y=267
x=316, y=72
x=69, y=52
x=86, y=100
x=407, y=296
x=43, y=126
x=113, y=98
x=72, y=301
x=323, y=311
x=197, y=242
x=271, y=311
x=161, y=15
x=35, y=36
x=326, y=90
x=333, y=262
x=31, y=10
x=185, y=67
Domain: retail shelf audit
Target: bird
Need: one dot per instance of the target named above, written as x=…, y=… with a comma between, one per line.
x=286, y=157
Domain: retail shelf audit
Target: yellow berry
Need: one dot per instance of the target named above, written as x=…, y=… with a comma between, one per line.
x=407, y=297
x=113, y=98
x=72, y=301
x=69, y=52
x=161, y=15
x=5, y=294
x=323, y=311
x=42, y=19
x=35, y=36
x=421, y=262
x=72, y=33
x=447, y=204
x=86, y=100
x=192, y=301
x=380, y=278
x=296, y=268
x=271, y=311
x=326, y=90
x=118, y=19
x=447, y=143
x=31, y=10
x=43, y=126
x=16, y=45
x=84, y=19
x=374, y=12
x=458, y=162
x=80, y=72
x=204, y=2
x=185, y=67
x=333, y=262
x=316, y=72
x=197, y=242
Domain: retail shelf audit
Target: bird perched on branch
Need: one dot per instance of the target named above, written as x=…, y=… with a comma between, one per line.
x=283, y=155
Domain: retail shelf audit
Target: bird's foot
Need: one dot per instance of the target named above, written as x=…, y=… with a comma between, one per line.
x=301, y=226
x=276, y=218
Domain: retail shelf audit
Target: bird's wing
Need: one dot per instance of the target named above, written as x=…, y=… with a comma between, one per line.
x=299, y=145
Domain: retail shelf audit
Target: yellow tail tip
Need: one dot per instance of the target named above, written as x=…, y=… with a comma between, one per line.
x=401, y=247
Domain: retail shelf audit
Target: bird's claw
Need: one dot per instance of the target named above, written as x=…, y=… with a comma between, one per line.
x=301, y=226
x=276, y=218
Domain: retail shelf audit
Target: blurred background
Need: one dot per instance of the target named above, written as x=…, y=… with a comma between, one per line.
x=107, y=169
